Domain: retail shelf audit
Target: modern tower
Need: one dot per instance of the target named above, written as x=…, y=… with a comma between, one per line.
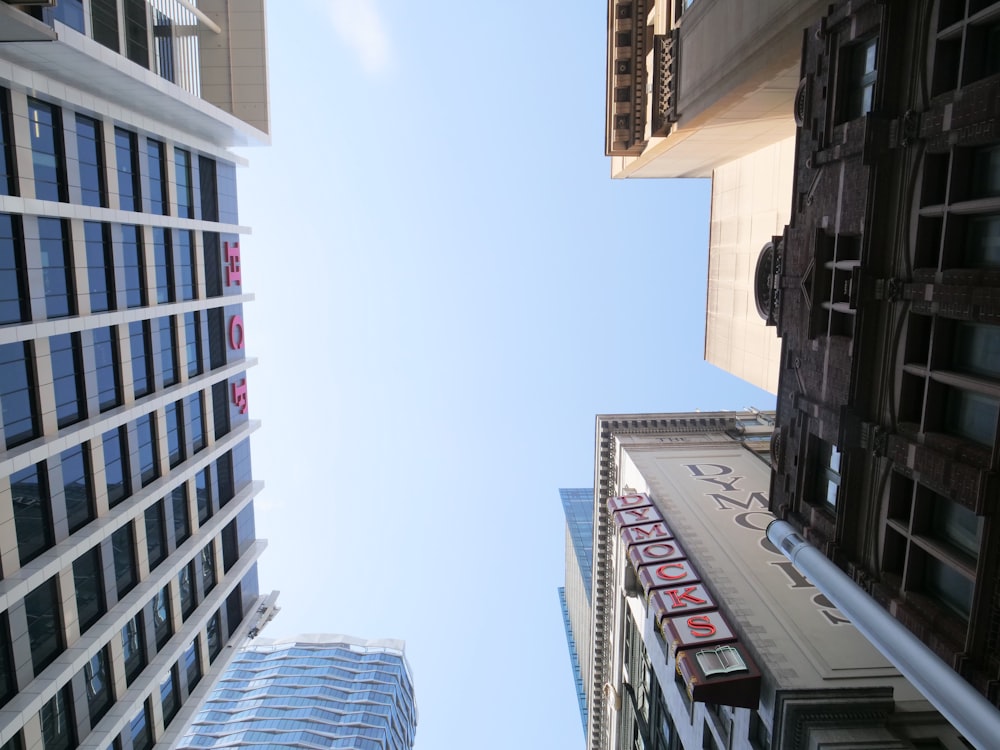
x=311, y=691
x=127, y=544
x=574, y=597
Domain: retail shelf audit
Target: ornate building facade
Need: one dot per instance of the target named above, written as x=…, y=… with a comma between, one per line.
x=884, y=291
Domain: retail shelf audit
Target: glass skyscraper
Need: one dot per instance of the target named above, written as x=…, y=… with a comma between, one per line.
x=574, y=597
x=128, y=552
x=311, y=691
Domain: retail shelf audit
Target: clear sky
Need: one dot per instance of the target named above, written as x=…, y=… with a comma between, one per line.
x=449, y=288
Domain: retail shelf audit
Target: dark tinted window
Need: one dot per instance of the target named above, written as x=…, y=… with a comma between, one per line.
x=161, y=616
x=87, y=575
x=142, y=375
x=76, y=487
x=8, y=678
x=133, y=648
x=203, y=491
x=32, y=515
x=192, y=343
x=168, y=350
x=97, y=678
x=20, y=422
x=168, y=696
x=127, y=155
x=214, y=633
x=209, y=189
x=208, y=579
x=123, y=544
x=185, y=580
x=8, y=183
x=156, y=535
x=57, y=721
x=185, y=263
x=66, y=371
x=149, y=464
x=182, y=517
x=44, y=629
x=116, y=472
x=163, y=265
x=155, y=157
x=132, y=260
x=13, y=282
x=57, y=269
x=192, y=664
x=136, y=39
x=185, y=185
x=106, y=364
x=104, y=19
x=173, y=415
x=100, y=266
x=91, y=159
x=194, y=421
x=45, y=126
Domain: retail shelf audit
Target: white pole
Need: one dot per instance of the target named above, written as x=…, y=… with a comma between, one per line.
x=961, y=704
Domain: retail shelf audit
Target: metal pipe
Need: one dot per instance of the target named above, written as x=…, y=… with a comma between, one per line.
x=200, y=15
x=961, y=704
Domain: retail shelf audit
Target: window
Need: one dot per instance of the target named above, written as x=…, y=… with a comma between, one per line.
x=214, y=633
x=168, y=696
x=185, y=185
x=185, y=580
x=8, y=677
x=44, y=628
x=87, y=575
x=971, y=415
x=142, y=376
x=76, y=486
x=104, y=20
x=97, y=679
x=194, y=421
x=142, y=736
x=66, y=380
x=45, y=126
x=203, y=492
x=100, y=266
x=123, y=546
x=208, y=188
x=90, y=155
x=149, y=463
x=977, y=350
x=127, y=153
x=116, y=471
x=57, y=269
x=192, y=664
x=163, y=265
x=13, y=280
x=986, y=174
x=168, y=349
x=156, y=535
x=208, y=568
x=136, y=39
x=957, y=527
x=947, y=585
x=859, y=80
x=182, y=518
x=827, y=487
x=20, y=416
x=70, y=12
x=155, y=152
x=161, y=617
x=8, y=176
x=175, y=433
x=106, y=365
x=57, y=721
x=134, y=648
x=132, y=260
x=32, y=516
x=192, y=343
x=186, y=263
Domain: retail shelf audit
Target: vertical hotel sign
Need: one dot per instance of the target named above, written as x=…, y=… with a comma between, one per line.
x=715, y=666
x=237, y=339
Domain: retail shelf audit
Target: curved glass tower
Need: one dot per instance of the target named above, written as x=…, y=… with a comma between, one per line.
x=311, y=691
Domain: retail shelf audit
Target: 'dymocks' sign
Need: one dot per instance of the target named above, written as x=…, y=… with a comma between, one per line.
x=713, y=663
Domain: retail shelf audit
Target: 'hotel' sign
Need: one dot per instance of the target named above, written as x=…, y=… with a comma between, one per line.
x=715, y=666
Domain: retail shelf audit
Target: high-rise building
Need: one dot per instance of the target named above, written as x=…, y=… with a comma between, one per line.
x=704, y=635
x=884, y=291
x=707, y=90
x=311, y=691
x=127, y=544
x=574, y=597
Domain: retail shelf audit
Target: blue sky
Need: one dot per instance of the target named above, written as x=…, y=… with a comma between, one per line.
x=449, y=288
